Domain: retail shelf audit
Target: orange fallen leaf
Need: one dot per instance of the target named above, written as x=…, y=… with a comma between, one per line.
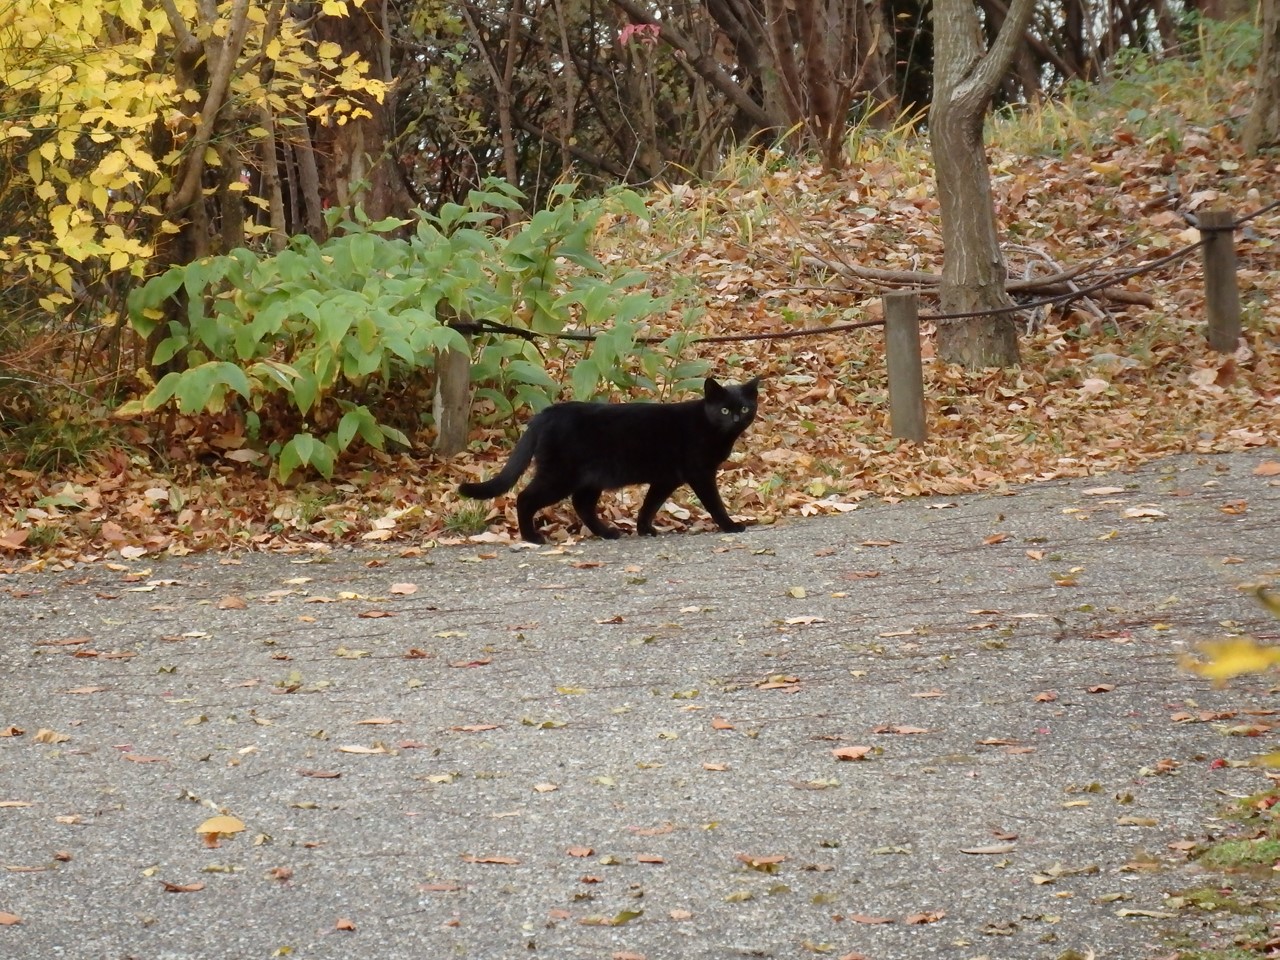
x=11, y=731
x=994, y=538
x=232, y=603
x=440, y=887
x=280, y=873
x=1267, y=468
x=403, y=589
x=505, y=861
x=9, y=919
x=720, y=723
x=864, y=918
x=374, y=615
x=579, y=851
x=182, y=887
x=142, y=758
x=653, y=831
x=1046, y=696
x=649, y=858
x=320, y=774
x=344, y=924
x=851, y=753
x=1101, y=688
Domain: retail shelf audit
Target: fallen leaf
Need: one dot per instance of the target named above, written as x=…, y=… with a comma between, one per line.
x=900, y=729
x=49, y=736
x=851, y=753
x=223, y=826
x=930, y=916
x=182, y=887
x=995, y=848
x=232, y=603
x=864, y=918
x=505, y=861
x=344, y=924
x=9, y=919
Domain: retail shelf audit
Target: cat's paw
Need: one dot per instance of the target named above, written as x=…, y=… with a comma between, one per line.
x=646, y=531
x=608, y=533
x=734, y=528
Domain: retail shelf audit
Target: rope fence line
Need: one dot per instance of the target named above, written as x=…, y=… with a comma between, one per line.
x=902, y=330
x=477, y=326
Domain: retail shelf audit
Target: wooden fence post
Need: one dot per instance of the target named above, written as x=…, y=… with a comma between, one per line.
x=906, y=374
x=451, y=405
x=1221, y=292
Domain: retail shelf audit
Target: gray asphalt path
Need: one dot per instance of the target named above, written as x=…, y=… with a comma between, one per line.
x=625, y=749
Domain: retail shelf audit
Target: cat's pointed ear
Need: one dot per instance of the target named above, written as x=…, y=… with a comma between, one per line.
x=711, y=390
x=752, y=386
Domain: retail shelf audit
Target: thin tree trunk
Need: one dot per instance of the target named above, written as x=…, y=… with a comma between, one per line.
x=973, y=271
x=1262, y=128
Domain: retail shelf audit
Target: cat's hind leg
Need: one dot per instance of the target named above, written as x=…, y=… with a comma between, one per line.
x=653, y=501
x=584, y=501
x=540, y=492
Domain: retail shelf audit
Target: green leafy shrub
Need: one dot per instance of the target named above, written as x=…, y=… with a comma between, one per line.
x=321, y=327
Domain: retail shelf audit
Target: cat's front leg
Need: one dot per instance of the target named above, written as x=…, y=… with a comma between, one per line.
x=705, y=488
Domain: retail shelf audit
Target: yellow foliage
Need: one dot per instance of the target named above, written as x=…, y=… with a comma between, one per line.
x=84, y=85
x=1233, y=657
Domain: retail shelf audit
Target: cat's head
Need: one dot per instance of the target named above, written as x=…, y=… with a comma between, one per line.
x=730, y=406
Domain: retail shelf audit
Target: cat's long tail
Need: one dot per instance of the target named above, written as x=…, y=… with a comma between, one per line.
x=516, y=464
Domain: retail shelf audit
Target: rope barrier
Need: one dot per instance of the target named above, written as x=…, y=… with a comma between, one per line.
x=493, y=326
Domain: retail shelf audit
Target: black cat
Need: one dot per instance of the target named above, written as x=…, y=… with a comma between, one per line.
x=582, y=449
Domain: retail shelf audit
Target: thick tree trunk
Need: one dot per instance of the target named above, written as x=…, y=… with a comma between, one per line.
x=973, y=272
x=1262, y=129
x=353, y=156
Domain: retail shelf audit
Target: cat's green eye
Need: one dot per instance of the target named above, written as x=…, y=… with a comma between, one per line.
x=746, y=409
x=725, y=411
